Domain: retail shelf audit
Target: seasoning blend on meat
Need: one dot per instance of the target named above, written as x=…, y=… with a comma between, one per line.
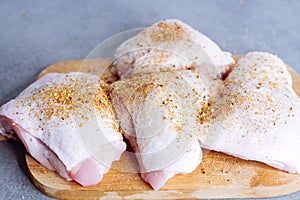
x=169, y=45
x=169, y=103
x=159, y=114
x=58, y=117
x=259, y=115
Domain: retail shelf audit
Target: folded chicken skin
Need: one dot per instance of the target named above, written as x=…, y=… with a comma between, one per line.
x=66, y=122
x=159, y=114
x=171, y=45
x=258, y=115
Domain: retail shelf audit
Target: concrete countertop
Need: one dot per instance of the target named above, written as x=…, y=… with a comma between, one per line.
x=35, y=34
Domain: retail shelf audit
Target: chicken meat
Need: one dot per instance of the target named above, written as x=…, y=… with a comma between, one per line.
x=258, y=115
x=159, y=114
x=171, y=45
x=66, y=122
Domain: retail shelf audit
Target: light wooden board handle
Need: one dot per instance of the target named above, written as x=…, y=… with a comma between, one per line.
x=2, y=138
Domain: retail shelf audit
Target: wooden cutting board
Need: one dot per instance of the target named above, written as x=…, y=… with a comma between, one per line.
x=2, y=138
x=218, y=176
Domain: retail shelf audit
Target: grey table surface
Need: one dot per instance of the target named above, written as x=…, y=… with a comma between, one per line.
x=34, y=34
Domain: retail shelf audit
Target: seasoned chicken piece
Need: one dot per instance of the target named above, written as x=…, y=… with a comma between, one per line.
x=66, y=122
x=171, y=44
x=160, y=113
x=259, y=115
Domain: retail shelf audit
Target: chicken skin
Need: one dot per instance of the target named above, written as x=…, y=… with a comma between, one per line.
x=160, y=113
x=259, y=113
x=66, y=122
x=171, y=45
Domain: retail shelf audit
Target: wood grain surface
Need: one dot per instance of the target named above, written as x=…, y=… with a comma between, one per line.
x=218, y=176
x=2, y=138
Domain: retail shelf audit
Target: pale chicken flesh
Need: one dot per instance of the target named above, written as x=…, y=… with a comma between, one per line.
x=58, y=117
x=171, y=45
x=160, y=113
x=259, y=113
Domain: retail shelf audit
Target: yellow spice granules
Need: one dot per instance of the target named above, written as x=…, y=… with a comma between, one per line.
x=62, y=96
x=71, y=98
x=205, y=112
x=167, y=32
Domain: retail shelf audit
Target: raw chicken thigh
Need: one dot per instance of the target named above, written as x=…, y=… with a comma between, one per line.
x=171, y=44
x=259, y=115
x=169, y=102
x=160, y=113
x=66, y=122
